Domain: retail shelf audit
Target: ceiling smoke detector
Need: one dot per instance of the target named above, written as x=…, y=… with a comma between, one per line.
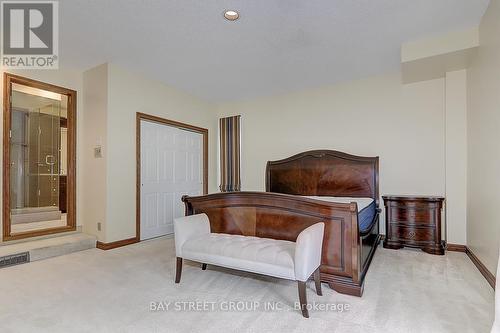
x=231, y=15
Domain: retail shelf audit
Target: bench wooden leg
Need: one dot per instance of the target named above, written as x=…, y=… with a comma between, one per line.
x=178, y=270
x=303, y=298
x=317, y=281
x=203, y=266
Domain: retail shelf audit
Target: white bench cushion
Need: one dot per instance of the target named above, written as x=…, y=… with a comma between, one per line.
x=258, y=255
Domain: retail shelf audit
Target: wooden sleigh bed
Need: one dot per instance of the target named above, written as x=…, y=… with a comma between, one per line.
x=283, y=211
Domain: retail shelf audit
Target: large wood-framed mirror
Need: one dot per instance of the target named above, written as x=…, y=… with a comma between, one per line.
x=39, y=158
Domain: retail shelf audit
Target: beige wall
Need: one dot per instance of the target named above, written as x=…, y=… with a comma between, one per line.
x=129, y=93
x=442, y=44
x=95, y=95
x=483, y=124
x=69, y=79
x=403, y=124
x=433, y=57
x=456, y=156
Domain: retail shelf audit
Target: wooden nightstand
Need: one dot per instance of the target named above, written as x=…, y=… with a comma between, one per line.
x=414, y=221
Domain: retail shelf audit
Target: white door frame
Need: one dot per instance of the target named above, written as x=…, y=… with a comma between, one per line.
x=146, y=117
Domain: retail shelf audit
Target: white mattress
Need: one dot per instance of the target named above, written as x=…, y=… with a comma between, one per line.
x=362, y=202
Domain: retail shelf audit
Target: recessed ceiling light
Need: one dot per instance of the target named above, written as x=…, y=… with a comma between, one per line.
x=231, y=15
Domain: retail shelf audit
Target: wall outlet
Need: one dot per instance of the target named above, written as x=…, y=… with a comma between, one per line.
x=98, y=226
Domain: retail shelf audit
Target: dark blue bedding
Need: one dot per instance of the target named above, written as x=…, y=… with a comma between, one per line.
x=365, y=217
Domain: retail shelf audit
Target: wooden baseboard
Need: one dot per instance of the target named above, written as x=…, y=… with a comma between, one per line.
x=475, y=260
x=482, y=268
x=114, y=245
x=456, y=248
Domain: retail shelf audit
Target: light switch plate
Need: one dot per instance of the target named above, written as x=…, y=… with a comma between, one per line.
x=98, y=152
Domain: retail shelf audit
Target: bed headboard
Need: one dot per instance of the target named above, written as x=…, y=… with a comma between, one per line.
x=324, y=173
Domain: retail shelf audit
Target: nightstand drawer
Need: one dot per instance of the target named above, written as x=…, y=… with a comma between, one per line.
x=412, y=234
x=412, y=215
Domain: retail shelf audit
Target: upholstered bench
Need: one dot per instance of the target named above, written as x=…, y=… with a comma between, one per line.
x=296, y=261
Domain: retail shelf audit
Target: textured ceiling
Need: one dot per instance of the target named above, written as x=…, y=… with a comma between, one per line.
x=277, y=46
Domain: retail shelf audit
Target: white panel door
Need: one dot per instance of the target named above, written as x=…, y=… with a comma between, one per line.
x=171, y=166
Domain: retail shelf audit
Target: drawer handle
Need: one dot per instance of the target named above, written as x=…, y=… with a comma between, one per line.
x=411, y=235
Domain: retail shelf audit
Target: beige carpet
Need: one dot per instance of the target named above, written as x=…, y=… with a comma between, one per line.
x=112, y=291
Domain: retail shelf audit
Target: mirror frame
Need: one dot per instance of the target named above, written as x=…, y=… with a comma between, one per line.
x=9, y=79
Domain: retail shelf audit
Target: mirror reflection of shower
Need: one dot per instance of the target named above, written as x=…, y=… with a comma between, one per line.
x=38, y=158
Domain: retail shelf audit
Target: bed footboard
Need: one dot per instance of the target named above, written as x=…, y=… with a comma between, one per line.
x=282, y=216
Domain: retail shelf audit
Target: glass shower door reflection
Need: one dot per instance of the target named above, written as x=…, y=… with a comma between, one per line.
x=49, y=154
x=35, y=162
x=44, y=160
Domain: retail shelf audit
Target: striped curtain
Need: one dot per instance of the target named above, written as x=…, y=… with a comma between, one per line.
x=229, y=129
